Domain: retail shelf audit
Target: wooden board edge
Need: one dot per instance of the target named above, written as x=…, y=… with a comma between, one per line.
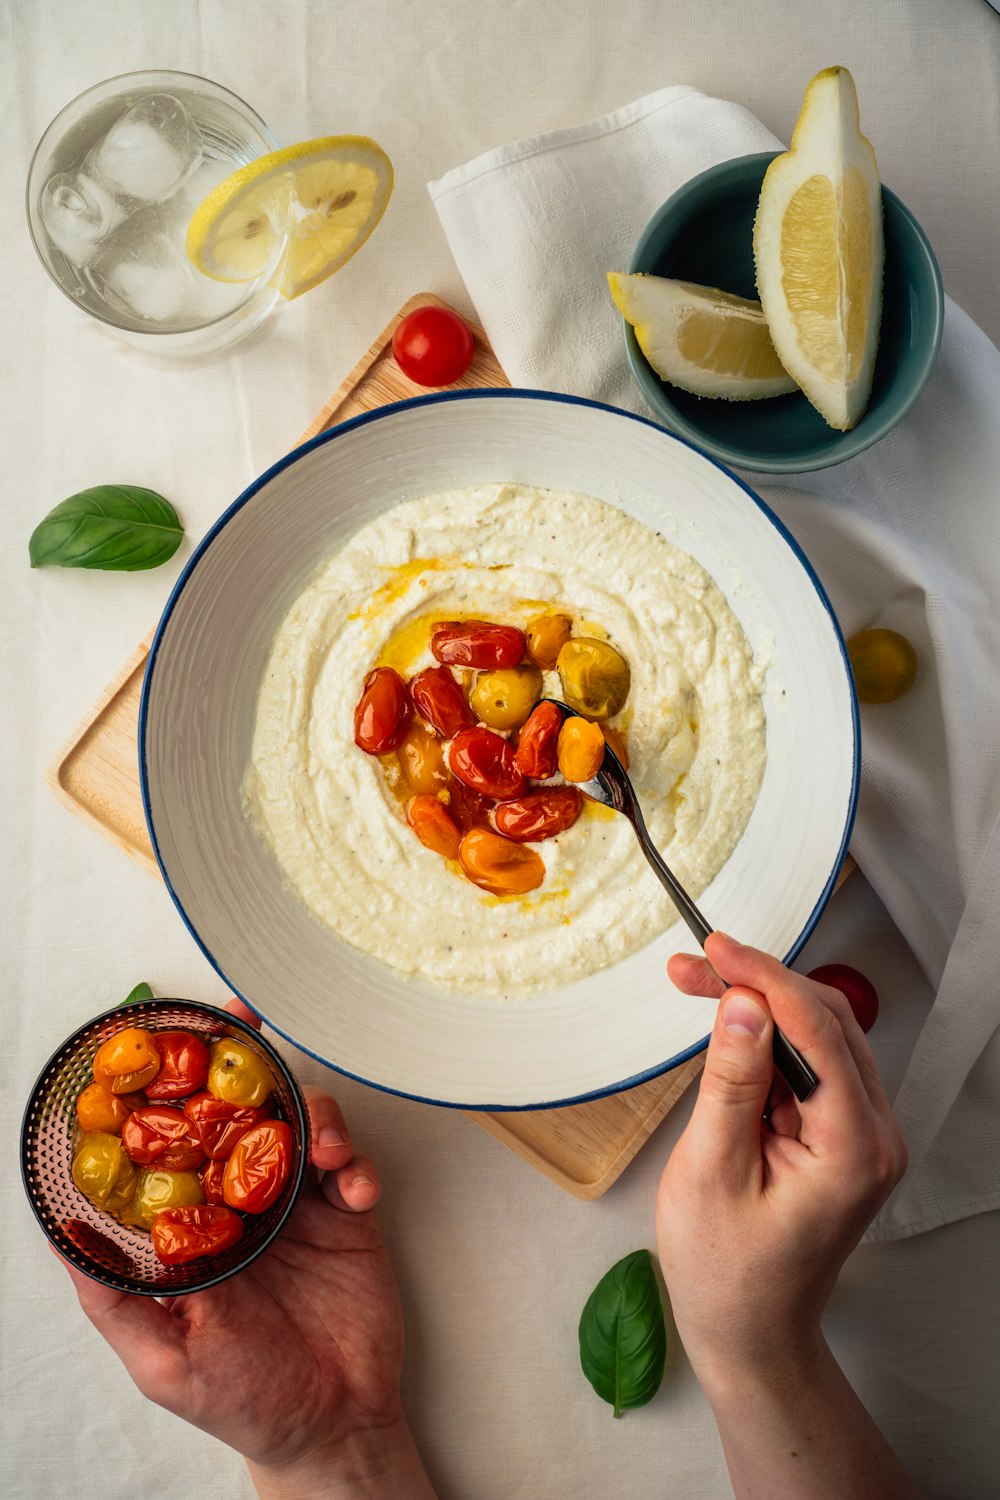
x=54, y=769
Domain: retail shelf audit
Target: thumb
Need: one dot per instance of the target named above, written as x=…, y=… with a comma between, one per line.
x=736, y=1081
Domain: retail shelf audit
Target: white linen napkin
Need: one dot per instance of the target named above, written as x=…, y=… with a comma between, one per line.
x=906, y=535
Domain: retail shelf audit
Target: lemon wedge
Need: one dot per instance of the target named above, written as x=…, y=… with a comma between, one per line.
x=700, y=339
x=294, y=216
x=818, y=249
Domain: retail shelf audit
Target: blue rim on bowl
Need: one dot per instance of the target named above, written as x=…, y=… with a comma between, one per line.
x=703, y=233
x=332, y=437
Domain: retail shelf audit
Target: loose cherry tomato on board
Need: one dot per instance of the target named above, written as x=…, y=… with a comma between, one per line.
x=212, y=1176
x=433, y=346
x=160, y=1136
x=183, y=1066
x=238, y=1074
x=183, y=1234
x=98, y=1108
x=485, y=762
x=440, y=700
x=538, y=815
x=219, y=1124
x=127, y=1061
x=434, y=826
x=860, y=993
x=581, y=749
x=475, y=643
x=498, y=866
x=383, y=713
x=259, y=1166
x=537, y=745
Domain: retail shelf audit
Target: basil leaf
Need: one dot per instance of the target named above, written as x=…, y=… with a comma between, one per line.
x=118, y=526
x=623, y=1340
x=141, y=992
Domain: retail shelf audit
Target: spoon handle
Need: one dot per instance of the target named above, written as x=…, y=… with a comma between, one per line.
x=787, y=1059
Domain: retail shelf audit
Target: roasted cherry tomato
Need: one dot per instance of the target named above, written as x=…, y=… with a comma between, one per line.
x=615, y=740
x=537, y=745
x=259, y=1166
x=545, y=637
x=103, y=1172
x=434, y=826
x=127, y=1061
x=433, y=346
x=238, y=1074
x=499, y=866
x=884, y=665
x=468, y=809
x=183, y=1234
x=503, y=699
x=595, y=678
x=485, y=762
x=581, y=749
x=99, y=1109
x=212, y=1176
x=383, y=713
x=183, y=1066
x=860, y=993
x=158, y=1135
x=158, y=1189
x=439, y=699
x=474, y=643
x=538, y=815
x=219, y=1124
x=421, y=760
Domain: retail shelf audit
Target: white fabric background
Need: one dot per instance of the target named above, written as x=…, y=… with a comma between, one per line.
x=495, y=1263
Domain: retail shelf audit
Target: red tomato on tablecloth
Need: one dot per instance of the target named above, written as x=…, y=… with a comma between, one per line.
x=861, y=994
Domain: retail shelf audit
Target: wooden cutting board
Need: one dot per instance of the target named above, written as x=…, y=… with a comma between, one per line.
x=584, y=1147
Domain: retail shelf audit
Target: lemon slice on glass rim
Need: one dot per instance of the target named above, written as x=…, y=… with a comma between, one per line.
x=295, y=215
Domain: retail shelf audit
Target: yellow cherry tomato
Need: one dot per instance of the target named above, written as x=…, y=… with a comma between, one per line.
x=158, y=1189
x=595, y=677
x=884, y=665
x=98, y=1108
x=127, y=1061
x=238, y=1074
x=503, y=699
x=103, y=1172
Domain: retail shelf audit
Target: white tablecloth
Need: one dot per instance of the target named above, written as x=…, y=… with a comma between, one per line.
x=494, y=1261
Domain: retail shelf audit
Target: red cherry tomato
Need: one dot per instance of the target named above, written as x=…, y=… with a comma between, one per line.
x=157, y=1135
x=183, y=1234
x=474, y=643
x=433, y=346
x=538, y=815
x=485, y=762
x=468, y=809
x=538, y=742
x=861, y=994
x=183, y=1065
x=212, y=1176
x=434, y=826
x=440, y=700
x=259, y=1166
x=219, y=1124
x=384, y=710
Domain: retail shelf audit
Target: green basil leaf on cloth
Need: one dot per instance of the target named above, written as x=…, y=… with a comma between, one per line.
x=623, y=1339
x=112, y=526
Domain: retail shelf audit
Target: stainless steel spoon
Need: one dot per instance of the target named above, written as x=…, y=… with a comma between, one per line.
x=612, y=786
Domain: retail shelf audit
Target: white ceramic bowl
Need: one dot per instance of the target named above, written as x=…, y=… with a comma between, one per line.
x=576, y=1041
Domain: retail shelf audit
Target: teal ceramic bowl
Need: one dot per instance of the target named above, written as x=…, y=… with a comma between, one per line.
x=704, y=233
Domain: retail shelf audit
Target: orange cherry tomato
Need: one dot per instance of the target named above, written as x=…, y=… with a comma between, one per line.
x=499, y=866
x=858, y=990
x=485, y=762
x=434, y=826
x=421, y=760
x=219, y=1124
x=183, y=1234
x=581, y=749
x=474, y=643
x=616, y=741
x=183, y=1065
x=538, y=815
x=98, y=1108
x=259, y=1167
x=536, y=753
x=439, y=699
x=545, y=637
x=127, y=1061
x=212, y=1176
x=158, y=1135
x=383, y=713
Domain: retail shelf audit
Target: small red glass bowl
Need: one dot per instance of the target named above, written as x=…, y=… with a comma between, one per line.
x=92, y=1240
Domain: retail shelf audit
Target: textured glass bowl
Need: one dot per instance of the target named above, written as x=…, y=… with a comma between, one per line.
x=92, y=1240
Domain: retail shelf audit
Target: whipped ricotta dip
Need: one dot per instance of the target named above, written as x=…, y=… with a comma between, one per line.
x=694, y=723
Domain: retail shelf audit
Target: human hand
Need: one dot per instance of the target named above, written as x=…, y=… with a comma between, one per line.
x=295, y=1362
x=755, y=1219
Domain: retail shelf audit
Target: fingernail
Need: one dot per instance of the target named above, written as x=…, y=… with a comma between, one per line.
x=330, y=1137
x=362, y=1182
x=740, y=1013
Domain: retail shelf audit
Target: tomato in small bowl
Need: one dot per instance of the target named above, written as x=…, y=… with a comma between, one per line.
x=124, y=1255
